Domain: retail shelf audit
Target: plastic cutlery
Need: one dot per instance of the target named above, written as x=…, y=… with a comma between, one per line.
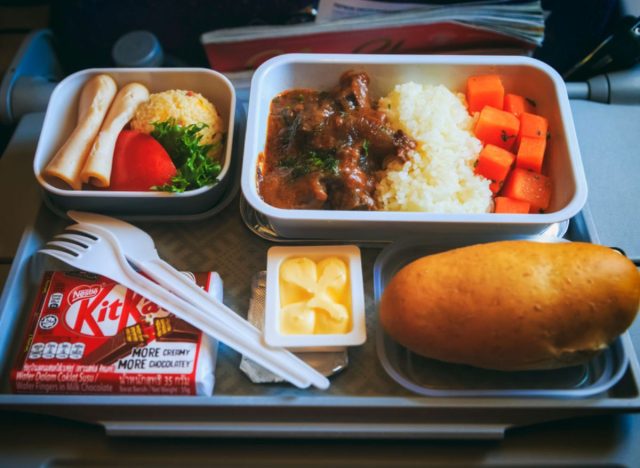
x=138, y=247
x=102, y=255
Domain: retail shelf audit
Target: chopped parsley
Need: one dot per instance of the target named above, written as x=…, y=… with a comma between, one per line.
x=311, y=161
x=195, y=168
x=504, y=136
x=364, y=154
x=365, y=147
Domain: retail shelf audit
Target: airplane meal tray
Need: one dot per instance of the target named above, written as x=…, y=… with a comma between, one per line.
x=363, y=400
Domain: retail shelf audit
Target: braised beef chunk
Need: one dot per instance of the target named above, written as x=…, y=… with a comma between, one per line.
x=324, y=149
x=281, y=190
x=353, y=91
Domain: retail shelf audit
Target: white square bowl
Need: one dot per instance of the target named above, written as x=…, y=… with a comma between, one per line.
x=61, y=119
x=350, y=254
x=520, y=75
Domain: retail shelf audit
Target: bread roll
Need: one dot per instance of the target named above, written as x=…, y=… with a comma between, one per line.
x=95, y=99
x=512, y=305
x=97, y=168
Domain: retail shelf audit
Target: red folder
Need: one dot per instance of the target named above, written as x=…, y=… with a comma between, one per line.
x=245, y=54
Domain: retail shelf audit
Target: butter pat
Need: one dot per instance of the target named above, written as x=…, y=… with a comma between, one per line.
x=315, y=298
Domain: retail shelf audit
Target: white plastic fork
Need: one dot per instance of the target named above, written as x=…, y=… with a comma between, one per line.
x=103, y=256
x=138, y=247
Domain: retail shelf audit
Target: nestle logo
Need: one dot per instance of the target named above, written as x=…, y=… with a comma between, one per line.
x=83, y=292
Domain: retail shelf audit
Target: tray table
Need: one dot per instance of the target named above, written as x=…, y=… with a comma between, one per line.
x=362, y=402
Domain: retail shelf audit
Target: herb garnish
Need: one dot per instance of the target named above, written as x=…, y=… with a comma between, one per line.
x=364, y=155
x=504, y=136
x=195, y=168
x=365, y=147
x=313, y=160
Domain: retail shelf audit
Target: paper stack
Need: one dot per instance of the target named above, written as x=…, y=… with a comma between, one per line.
x=512, y=26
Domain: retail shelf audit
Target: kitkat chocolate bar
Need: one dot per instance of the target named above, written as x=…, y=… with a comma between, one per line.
x=90, y=335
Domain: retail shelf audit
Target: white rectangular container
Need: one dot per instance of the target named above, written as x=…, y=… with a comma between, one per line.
x=61, y=119
x=520, y=75
x=357, y=335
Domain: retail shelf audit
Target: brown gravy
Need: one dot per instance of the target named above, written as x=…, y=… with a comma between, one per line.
x=325, y=149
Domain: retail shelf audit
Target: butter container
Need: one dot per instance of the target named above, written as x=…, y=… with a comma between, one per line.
x=314, y=298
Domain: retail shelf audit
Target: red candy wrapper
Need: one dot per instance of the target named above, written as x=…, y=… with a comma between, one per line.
x=91, y=335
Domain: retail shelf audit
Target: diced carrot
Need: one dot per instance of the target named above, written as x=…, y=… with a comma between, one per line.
x=510, y=205
x=532, y=125
x=531, y=153
x=484, y=90
x=495, y=187
x=494, y=162
x=497, y=127
x=517, y=104
x=530, y=187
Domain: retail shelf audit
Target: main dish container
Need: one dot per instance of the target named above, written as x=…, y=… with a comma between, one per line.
x=61, y=119
x=520, y=75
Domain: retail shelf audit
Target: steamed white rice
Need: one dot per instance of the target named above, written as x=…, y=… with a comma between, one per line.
x=438, y=177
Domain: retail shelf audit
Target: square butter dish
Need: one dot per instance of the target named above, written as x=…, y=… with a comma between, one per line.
x=315, y=298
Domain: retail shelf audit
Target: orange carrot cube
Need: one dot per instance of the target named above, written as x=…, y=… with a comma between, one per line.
x=495, y=187
x=517, y=104
x=510, y=205
x=484, y=90
x=532, y=125
x=530, y=187
x=497, y=127
x=494, y=162
x=531, y=153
